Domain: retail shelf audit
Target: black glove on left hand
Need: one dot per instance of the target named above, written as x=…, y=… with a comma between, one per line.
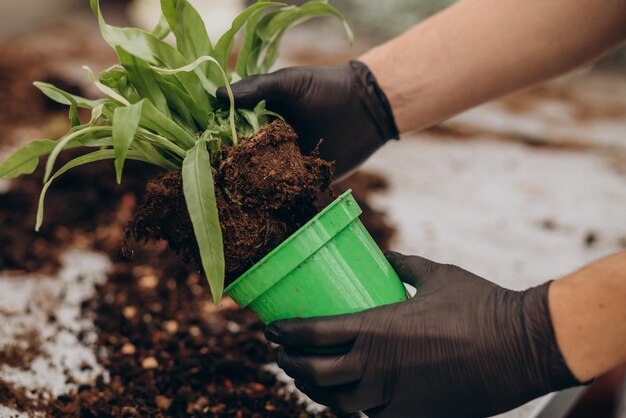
x=343, y=105
x=462, y=347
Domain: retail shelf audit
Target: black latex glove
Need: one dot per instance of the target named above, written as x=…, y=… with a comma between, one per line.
x=462, y=347
x=342, y=105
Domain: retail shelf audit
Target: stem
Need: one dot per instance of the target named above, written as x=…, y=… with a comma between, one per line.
x=163, y=142
x=231, y=116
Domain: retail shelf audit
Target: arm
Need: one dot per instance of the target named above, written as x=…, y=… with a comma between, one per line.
x=462, y=346
x=472, y=52
x=588, y=310
x=478, y=50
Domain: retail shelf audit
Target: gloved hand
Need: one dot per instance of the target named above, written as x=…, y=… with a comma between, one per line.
x=462, y=347
x=342, y=105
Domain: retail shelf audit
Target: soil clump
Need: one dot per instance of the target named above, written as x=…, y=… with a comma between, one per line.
x=265, y=190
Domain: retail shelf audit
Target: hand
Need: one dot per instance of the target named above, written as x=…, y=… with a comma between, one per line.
x=341, y=105
x=462, y=347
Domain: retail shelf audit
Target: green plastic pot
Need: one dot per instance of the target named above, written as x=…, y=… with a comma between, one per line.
x=330, y=266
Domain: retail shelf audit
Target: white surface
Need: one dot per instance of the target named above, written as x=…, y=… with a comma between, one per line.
x=25, y=305
x=480, y=204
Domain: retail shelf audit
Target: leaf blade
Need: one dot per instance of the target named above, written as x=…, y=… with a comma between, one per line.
x=100, y=155
x=199, y=191
x=143, y=79
x=125, y=124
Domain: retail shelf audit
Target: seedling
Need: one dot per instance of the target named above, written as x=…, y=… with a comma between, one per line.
x=160, y=106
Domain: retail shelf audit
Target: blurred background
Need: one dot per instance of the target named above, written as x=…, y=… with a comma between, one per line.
x=519, y=191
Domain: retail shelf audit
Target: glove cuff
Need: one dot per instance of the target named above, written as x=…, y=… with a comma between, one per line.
x=542, y=339
x=375, y=101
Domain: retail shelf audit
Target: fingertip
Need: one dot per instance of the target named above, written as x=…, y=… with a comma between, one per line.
x=393, y=256
x=399, y=263
x=222, y=95
x=272, y=333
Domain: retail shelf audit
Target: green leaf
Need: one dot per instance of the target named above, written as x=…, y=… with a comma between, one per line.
x=139, y=43
x=251, y=44
x=69, y=140
x=26, y=159
x=83, y=159
x=105, y=89
x=162, y=29
x=183, y=104
x=149, y=48
x=152, y=154
x=125, y=124
x=273, y=26
x=199, y=193
x=156, y=121
x=96, y=113
x=192, y=39
x=227, y=41
x=73, y=113
x=162, y=143
x=116, y=78
x=192, y=67
x=143, y=79
x=63, y=97
x=251, y=118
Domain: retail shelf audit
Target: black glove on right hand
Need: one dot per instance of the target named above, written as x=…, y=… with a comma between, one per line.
x=342, y=105
x=462, y=347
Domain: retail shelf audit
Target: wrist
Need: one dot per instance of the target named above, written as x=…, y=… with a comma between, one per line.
x=543, y=347
x=375, y=100
x=587, y=309
x=379, y=66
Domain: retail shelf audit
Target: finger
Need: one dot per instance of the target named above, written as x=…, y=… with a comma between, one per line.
x=323, y=331
x=319, y=369
x=251, y=90
x=344, y=398
x=412, y=269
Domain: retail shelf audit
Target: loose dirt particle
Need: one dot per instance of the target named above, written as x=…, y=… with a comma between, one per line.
x=171, y=327
x=149, y=363
x=129, y=312
x=148, y=282
x=128, y=349
x=590, y=239
x=163, y=402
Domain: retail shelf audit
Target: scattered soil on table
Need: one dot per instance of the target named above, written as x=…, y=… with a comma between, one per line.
x=171, y=352
x=21, y=353
x=265, y=189
x=168, y=350
x=18, y=398
x=80, y=208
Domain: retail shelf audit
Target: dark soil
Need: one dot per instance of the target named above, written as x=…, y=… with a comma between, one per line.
x=51, y=54
x=23, y=351
x=154, y=311
x=171, y=352
x=81, y=210
x=17, y=398
x=266, y=190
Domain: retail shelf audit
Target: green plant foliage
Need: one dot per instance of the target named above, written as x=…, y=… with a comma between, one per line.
x=159, y=106
x=200, y=197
